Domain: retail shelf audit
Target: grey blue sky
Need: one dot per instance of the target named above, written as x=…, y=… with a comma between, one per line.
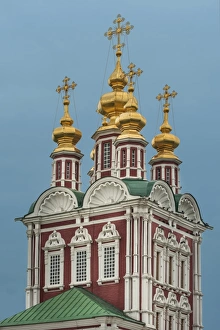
x=174, y=42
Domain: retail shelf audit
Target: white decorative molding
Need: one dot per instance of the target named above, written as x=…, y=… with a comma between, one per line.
x=108, y=233
x=186, y=207
x=54, y=249
x=183, y=245
x=56, y=202
x=81, y=257
x=159, y=296
x=172, y=300
x=107, y=193
x=172, y=241
x=184, y=303
x=108, y=247
x=81, y=237
x=159, y=235
x=55, y=241
x=160, y=195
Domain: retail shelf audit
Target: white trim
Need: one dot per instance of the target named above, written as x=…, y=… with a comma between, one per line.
x=79, y=243
x=108, y=237
x=54, y=246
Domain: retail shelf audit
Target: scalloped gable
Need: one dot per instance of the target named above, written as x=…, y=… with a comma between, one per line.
x=105, y=191
x=188, y=206
x=162, y=194
x=55, y=200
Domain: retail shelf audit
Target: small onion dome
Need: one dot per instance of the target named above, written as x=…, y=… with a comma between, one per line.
x=165, y=143
x=66, y=136
x=130, y=122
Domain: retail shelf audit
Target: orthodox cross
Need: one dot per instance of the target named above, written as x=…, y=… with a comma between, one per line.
x=66, y=87
x=166, y=95
x=118, y=31
x=131, y=74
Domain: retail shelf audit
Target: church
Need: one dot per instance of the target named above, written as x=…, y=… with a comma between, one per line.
x=125, y=254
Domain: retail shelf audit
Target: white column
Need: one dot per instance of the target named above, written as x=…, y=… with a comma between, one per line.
x=36, y=290
x=29, y=298
x=135, y=275
x=144, y=289
x=127, y=276
x=195, y=286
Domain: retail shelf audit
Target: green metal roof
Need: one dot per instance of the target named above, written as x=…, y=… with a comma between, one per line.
x=139, y=187
x=74, y=304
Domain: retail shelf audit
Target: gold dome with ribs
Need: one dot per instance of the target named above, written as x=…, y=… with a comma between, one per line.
x=131, y=122
x=165, y=143
x=66, y=136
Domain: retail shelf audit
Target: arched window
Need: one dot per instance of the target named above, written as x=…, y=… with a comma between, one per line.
x=80, y=257
x=108, y=253
x=68, y=169
x=54, y=261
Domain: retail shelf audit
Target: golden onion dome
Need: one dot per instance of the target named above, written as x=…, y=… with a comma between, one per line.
x=165, y=143
x=130, y=122
x=111, y=104
x=66, y=136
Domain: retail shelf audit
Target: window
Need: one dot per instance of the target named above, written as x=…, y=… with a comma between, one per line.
x=76, y=171
x=106, y=155
x=109, y=262
x=171, y=270
x=68, y=169
x=170, y=322
x=158, y=173
x=108, y=252
x=58, y=169
x=54, y=269
x=168, y=175
x=142, y=159
x=123, y=158
x=133, y=157
x=184, y=264
x=80, y=257
x=176, y=177
x=54, y=261
x=159, y=250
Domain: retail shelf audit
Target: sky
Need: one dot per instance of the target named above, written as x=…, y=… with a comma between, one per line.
x=173, y=42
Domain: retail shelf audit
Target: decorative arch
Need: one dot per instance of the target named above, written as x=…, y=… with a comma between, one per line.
x=55, y=200
x=162, y=194
x=106, y=191
x=188, y=206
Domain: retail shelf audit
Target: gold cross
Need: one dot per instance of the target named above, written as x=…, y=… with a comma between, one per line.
x=166, y=94
x=66, y=87
x=132, y=73
x=119, y=30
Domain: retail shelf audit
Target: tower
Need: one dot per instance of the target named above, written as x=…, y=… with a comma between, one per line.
x=165, y=165
x=66, y=157
x=126, y=253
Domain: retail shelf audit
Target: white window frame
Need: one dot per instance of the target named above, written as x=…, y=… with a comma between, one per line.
x=160, y=243
x=160, y=311
x=108, y=237
x=184, y=256
x=54, y=246
x=172, y=314
x=81, y=241
x=173, y=268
